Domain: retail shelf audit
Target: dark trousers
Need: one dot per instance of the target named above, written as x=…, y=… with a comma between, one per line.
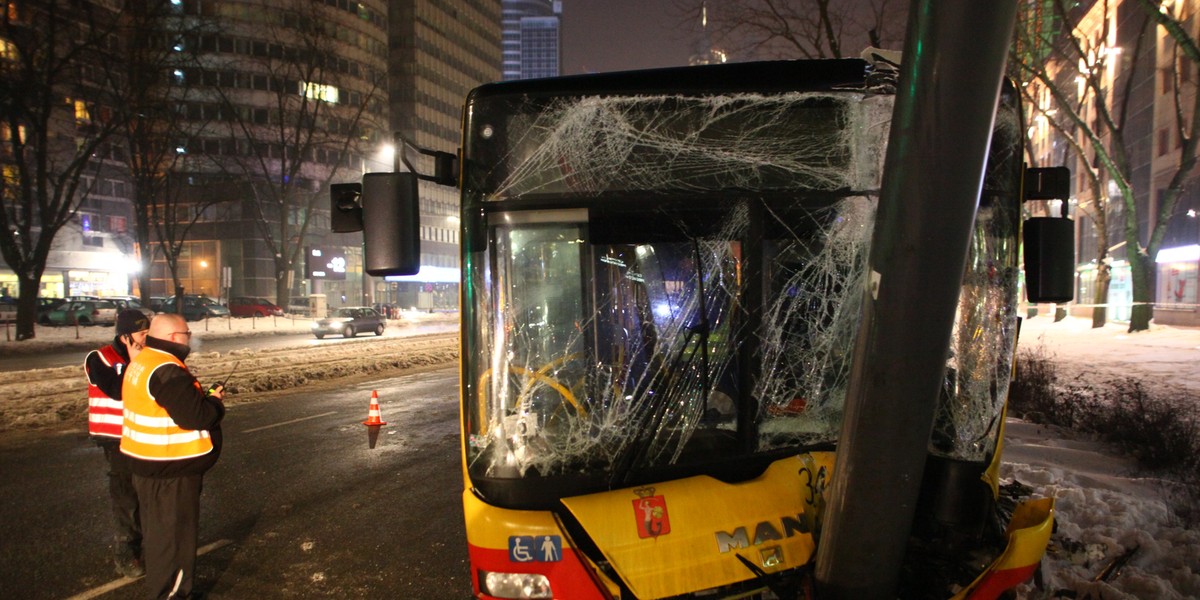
x=170, y=525
x=127, y=521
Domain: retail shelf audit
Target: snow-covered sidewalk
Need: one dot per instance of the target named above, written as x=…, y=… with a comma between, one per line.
x=1164, y=355
x=1105, y=506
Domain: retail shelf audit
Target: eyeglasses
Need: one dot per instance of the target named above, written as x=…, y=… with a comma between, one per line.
x=183, y=333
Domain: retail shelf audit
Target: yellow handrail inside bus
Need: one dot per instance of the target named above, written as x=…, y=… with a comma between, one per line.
x=539, y=375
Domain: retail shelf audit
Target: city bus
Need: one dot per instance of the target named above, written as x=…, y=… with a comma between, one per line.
x=663, y=275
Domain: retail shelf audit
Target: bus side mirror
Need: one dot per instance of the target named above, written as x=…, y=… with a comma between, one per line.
x=1049, y=241
x=391, y=221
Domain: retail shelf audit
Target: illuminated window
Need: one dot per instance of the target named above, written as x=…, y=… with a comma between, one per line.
x=14, y=12
x=81, y=112
x=6, y=133
x=319, y=91
x=8, y=50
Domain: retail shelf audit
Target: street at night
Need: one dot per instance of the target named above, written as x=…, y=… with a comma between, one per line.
x=298, y=506
x=625, y=300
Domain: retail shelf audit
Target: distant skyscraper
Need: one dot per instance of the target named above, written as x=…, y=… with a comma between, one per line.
x=440, y=51
x=532, y=45
x=707, y=53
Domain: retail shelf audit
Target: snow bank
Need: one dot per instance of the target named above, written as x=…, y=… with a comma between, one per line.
x=1105, y=506
x=57, y=397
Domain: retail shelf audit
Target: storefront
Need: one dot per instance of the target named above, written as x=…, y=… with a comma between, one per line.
x=1120, y=292
x=1176, y=295
x=433, y=288
x=78, y=273
x=336, y=272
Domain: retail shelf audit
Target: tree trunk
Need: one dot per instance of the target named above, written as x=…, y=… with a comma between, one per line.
x=1100, y=299
x=282, y=292
x=27, y=305
x=1142, y=271
x=144, y=284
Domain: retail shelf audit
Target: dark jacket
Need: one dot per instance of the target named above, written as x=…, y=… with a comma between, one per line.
x=103, y=376
x=174, y=389
x=107, y=378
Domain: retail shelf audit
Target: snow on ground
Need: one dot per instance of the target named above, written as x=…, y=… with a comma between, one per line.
x=57, y=397
x=1105, y=506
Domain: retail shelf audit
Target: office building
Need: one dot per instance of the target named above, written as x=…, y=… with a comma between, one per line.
x=532, y=40
x=440, y=51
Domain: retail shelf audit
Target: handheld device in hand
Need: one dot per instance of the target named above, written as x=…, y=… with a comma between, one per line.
x=220, y=384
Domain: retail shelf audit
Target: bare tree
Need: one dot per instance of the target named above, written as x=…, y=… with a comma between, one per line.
x=150, y=74
x=319, y=118
x=1038, y=35
x=1185, y=56
x=1091, y=83
x=56, y=106
x=799, y=28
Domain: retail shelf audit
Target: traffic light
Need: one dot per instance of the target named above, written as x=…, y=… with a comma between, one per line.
x=345, y=211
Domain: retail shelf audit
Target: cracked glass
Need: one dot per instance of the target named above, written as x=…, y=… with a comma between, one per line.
x=660, y=284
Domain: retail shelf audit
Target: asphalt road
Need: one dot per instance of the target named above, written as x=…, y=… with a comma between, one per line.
x=297, y=507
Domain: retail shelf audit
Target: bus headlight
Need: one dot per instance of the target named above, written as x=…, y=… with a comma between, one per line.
x=516, y=585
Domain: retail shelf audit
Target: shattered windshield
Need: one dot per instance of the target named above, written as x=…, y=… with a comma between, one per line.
x=686, y=285
x=669, y=282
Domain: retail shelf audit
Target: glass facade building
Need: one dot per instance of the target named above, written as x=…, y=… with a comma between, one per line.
x=439, y=51
x=532, y=45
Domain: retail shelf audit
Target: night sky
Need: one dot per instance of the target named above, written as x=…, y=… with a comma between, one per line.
x=617, y=35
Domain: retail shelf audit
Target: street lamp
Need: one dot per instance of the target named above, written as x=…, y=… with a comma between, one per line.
x=132, y=266
x=387, y=154
x=203, y=277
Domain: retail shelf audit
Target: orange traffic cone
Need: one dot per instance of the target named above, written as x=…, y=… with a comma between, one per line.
x=373, y=417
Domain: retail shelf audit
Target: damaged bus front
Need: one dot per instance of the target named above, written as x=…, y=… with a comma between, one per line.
x=663, y=278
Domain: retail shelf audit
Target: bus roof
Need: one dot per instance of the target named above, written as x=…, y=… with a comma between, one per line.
x=760, y=77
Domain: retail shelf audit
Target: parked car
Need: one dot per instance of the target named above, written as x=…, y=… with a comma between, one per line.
x=124, y=302
x=84, y=312
x=350, y=321
x=196, y=307
x=300, y=306
x=8, y=309
x=245, y=306
x=45, y=305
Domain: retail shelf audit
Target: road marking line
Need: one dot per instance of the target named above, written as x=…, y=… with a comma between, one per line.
x=290, y=422
x=124, y=581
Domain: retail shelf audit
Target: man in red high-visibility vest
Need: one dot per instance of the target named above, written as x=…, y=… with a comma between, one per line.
x=172, y=432
x=105, y=370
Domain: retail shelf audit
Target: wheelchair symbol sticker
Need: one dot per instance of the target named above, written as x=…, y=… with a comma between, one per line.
x=535, y=548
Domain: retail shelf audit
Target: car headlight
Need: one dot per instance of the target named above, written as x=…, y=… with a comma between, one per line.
x=516, y=585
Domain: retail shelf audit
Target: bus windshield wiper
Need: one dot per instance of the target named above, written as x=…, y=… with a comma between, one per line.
x=646, y=427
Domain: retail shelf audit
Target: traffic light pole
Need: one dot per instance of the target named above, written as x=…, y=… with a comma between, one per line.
x=949, y=86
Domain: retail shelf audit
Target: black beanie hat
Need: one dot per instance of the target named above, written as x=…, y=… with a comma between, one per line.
x=131, y=320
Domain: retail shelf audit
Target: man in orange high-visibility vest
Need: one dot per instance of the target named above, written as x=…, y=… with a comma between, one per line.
x=105, y=370
x=172, y=432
